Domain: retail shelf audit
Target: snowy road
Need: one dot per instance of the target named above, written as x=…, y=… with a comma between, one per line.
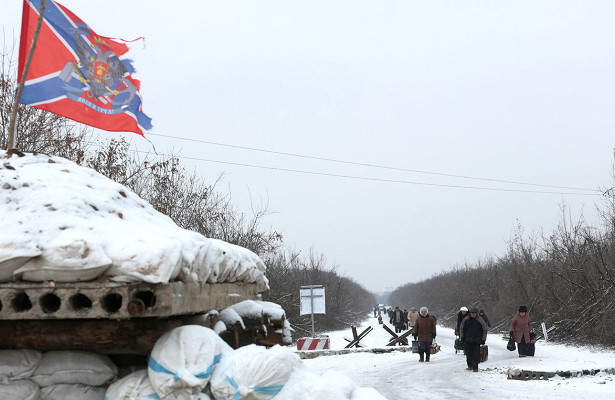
x=399, y=375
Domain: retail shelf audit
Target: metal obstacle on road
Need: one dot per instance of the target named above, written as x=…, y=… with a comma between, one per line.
x=402, y=340
x=357, y=338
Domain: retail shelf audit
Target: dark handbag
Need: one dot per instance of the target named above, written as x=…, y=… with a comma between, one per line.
x=415, y=346
x=511, y=346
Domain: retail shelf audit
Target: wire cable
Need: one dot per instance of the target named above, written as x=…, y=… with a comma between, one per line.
x=373, y=165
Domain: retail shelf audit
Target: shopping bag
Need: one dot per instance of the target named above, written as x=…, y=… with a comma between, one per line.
x=415, y=346
x=435, y=347
x=511, y=346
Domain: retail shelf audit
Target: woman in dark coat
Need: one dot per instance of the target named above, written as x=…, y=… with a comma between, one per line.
x=425, y=333
x=463, y=312
x=520, y=330
x=482, y=314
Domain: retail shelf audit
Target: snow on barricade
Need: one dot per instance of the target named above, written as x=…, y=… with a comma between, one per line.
x=134, y=386
x=74, y=367
x=68, y=258
x=66, y=223
x=254, y=309
x=64, y=391
x=20, y=390
x=183, y=359
x=253, y=372
x=17, y=364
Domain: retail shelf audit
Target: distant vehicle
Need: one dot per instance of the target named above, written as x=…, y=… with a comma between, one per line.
x=382, y=307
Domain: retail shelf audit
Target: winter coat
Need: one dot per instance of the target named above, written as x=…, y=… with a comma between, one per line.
x=460, y=317
x=473, y=330
x=412, y=316
x=425, y=328
x=521, y=327
x=397, y=316
x=484, y=317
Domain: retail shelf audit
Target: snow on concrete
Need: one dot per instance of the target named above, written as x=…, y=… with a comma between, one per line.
x=67, y=223
x=399, y=375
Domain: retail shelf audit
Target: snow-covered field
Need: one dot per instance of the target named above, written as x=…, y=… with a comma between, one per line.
x=399, y=375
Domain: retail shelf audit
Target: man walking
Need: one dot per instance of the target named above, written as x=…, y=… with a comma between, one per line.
x=473, y=333
x=397, y=319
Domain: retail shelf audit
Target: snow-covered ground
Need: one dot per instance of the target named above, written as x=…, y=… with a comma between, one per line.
x=399, y=375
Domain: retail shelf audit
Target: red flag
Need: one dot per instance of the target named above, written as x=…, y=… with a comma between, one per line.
x=78, y=74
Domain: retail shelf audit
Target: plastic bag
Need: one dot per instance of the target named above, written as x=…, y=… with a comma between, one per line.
x=511, y=346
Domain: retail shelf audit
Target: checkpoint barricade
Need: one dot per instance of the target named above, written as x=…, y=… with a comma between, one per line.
x=319, y=343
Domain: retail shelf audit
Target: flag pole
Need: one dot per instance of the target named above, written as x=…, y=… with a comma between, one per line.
x=12, y=133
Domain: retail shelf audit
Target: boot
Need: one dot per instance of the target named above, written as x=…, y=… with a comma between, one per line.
x=427, y=357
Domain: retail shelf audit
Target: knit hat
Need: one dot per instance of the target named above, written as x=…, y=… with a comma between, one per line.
x=523, y=309
x=463, y=309
x=413, y=309
x=424, y=309
x=474, y=310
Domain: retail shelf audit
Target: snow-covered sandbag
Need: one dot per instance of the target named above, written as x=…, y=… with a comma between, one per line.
x=22, y=389
x=231, y=263
x=304, y=384
x=153, y=257
x=134, y=386
x=65, y=391
x=230, y=317
x=48, y=198
x=19, y=363
x=183, y=359
x=66, y=259
x=74, y=367
x=253, y=373
x=12, y=257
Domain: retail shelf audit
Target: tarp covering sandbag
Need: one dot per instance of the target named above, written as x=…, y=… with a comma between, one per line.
x=183, y=359
x=253, y=373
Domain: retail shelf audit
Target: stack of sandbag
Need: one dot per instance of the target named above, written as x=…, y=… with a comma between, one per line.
x=55, y=375
x=16, y=366
x=192, y=363
x=66, y=223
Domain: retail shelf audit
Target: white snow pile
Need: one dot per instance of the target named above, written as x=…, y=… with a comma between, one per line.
x=67, y=223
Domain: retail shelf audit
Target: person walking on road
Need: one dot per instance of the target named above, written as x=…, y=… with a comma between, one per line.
x=482, y=314
x=473, y=333
x=425, y=333
x=397, y=319
x=412, y=317
x=520, y=330
x=463, y=312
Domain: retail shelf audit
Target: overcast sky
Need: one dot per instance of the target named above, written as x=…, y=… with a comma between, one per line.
x=444, y=103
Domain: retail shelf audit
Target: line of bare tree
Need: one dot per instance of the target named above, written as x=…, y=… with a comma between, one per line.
x=566, y=279
x=192, y=203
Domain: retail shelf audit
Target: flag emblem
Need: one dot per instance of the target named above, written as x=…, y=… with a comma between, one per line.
x=77, y=73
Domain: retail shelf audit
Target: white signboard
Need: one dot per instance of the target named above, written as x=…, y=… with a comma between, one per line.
x=311, y=296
